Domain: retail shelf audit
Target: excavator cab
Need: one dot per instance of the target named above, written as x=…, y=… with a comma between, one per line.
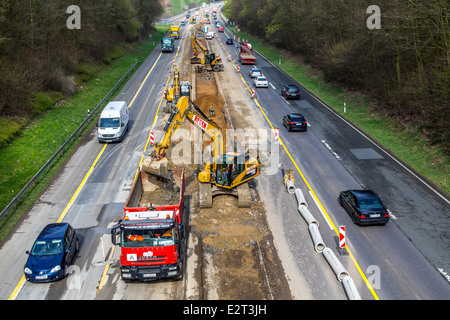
x=231, y=170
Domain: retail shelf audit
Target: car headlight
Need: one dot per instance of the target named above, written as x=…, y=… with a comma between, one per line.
x=27, y=271
x=55, y=269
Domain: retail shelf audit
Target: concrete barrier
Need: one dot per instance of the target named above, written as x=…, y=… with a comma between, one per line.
x=319, y=245
x=290, y=186
x=335, y=264
x=307, y=215
x=350, y=288
x=300, y=197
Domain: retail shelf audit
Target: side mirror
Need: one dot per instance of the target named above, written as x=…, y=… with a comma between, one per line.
x=27, y=252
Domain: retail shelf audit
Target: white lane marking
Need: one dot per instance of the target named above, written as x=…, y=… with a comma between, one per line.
x=331, y=150
x=321, y=211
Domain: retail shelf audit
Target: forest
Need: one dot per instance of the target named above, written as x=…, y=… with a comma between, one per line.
x=403, y=65
x=46, y=50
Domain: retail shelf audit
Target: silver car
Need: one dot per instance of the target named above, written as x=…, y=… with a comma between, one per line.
x=255, y=72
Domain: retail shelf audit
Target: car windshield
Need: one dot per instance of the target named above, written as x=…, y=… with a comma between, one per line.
x=293, y=89
x=262, y=79
x=167, y=41
x=148, y=238
x=109, y=122
x=47, y=247
x=370, y=204
x=297, y=118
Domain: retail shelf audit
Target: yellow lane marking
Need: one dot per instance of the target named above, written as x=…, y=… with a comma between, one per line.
x=363, y=276
x=66, y=209
x=105, y=271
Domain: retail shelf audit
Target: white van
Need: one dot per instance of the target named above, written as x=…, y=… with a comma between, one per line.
x=113, y=122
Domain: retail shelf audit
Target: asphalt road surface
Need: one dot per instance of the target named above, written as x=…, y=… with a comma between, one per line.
x=400, y=260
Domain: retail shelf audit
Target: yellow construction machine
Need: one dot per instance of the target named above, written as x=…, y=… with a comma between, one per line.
x=208, y=62
x=178, y=89
x=224, y=173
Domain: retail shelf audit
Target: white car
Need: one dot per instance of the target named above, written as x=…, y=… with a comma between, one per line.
x=261, y=81
x=209, y=35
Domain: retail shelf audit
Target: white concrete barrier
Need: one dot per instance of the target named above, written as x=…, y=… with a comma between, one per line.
x=319, y=245
x=350, y=288
x=335, y=264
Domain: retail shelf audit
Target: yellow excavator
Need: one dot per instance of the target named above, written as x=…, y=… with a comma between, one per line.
x=224, y=173
x=209, y=62
x=178, y=89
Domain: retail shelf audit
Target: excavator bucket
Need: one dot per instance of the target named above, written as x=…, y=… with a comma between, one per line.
x=156, y=167
x=196, y=60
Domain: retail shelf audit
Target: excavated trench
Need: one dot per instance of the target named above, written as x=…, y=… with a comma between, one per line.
x=236, y=257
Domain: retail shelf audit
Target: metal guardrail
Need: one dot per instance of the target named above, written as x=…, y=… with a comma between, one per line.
x=49, y=161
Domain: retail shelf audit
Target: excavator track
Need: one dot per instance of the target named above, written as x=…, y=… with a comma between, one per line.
x=205, y=195
x=244, y=196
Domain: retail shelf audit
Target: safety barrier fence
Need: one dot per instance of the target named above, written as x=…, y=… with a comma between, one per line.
x=61, y=148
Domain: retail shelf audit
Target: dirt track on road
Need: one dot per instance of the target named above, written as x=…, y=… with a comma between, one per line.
x=235, y=254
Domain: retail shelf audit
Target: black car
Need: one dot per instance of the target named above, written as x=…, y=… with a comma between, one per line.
x=290, y=92
x=229, y=41
x=52, y=253
x=295, y=121
x=364, y=207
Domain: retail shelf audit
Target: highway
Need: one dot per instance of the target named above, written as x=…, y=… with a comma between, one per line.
x=335, y=156
x=397, y=261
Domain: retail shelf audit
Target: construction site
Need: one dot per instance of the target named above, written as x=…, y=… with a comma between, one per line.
x=230, y=247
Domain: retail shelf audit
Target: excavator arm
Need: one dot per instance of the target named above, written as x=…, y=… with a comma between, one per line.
x=186, y=109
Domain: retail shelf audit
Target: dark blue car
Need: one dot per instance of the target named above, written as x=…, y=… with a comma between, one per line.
x=364, y=207
x=52, y=253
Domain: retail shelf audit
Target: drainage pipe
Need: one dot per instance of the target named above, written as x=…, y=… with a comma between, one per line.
x=350, y=288
x=335, y=264
x=290, y=186
x=307, y=215
x=319, y=245
x=300, y=197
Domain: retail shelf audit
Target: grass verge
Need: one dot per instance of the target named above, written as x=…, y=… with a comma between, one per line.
x=22, y=158
x=412, y=149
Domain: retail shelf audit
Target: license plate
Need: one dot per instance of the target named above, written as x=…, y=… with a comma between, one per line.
x=108, y=140
x=149, y=275
x=41, y=277
x=375, y=215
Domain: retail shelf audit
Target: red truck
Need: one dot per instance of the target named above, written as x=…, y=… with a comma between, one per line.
x=246, y=53
x=151, y=233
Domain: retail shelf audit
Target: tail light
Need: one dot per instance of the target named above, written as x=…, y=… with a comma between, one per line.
x=386, y=214
x=291, y=123
x=304, y=122
x=362, y=216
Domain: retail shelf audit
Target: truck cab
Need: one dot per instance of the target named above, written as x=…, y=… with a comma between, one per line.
x=167, y=44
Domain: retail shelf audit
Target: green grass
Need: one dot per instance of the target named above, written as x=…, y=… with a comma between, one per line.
x=429, y=161
x=178, y=5
x=38, y=141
